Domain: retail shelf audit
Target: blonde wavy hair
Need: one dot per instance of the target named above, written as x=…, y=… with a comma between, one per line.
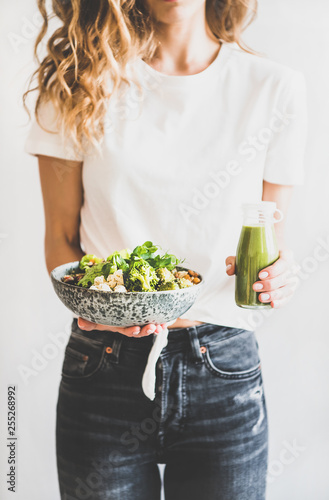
x=96, y=40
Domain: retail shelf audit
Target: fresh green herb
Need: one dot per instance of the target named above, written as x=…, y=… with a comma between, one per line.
x=144, y=269
x=89, y=260
x=167, y=260
x=145, y=251
x=91, y=273
x=117, y=261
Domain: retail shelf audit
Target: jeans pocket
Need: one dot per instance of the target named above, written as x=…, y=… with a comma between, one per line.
x=83, y=358
x=234, y=357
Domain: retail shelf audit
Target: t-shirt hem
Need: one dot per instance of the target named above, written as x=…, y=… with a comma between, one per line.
x=36, y=148
x=285, y=182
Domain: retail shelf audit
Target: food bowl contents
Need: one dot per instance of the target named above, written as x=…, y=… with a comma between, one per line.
x=171, y=288
x=142, y=270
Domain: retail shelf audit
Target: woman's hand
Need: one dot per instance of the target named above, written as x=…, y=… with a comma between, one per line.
x=277, y=282
x=132, y=331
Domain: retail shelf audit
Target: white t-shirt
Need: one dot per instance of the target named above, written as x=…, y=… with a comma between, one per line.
x=180, y=156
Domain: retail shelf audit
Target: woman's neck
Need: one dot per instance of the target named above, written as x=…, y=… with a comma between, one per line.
x=185, y=48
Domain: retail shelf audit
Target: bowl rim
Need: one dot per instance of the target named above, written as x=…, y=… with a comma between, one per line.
x=86, y=290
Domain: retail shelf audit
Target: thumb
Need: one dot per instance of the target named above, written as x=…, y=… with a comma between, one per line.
x=230, y=265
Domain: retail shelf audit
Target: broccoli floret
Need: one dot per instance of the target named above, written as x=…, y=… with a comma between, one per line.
x=165, y=275
x=141, y=277
x=184, y=283
x=169, y=285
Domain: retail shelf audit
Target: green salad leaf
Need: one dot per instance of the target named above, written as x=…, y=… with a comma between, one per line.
x=117, y=261
x=89, y=260
x=144, y=269
x=145, y=251
x=91, y=273
x=167, y=260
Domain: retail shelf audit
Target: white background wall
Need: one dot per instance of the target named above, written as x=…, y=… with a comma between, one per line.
x=293, y=341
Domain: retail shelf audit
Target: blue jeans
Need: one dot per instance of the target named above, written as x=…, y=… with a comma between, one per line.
x=207, y=423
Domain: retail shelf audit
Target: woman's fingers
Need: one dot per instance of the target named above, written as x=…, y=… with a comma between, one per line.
x=144, y=331
x=270, y=284
x=276, y=295
x=278, y=282
x=279, y=267
x=230, y=265
x=88, y=326
x=147, y=330
x=282, y=280
x=132, y=331
x=283, y=264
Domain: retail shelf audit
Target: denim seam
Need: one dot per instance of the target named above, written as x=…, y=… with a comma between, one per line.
x=205, y=344
x=231, y=375
x=161, y=430
x=76, y=354
x=116, y=346
x=168, y=351
x=87, y=339
x=195, y=346
x=83, y=377
x=184, y=393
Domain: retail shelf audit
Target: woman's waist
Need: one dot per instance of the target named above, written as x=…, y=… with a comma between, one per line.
x=184, y=323
x=178, y=338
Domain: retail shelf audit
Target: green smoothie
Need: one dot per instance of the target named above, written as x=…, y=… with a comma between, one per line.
x=257, y=248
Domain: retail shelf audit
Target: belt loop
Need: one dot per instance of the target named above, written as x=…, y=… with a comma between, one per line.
x=116, y=346
x=195, y=344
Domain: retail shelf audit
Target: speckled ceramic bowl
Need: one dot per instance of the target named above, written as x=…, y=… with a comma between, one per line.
x=122, y=309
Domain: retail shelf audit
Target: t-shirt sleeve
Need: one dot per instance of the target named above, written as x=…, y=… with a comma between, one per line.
x=284, y=162
x=49, y=142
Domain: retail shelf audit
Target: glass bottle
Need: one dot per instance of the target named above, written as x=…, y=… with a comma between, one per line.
x=257, y=249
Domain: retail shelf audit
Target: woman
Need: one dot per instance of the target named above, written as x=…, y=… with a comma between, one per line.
x=155, y=124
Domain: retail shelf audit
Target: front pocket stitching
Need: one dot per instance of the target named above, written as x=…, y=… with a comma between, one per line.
x=214, y=342
x=232, y=375
x=97, y=369
x=76, y=354
x=86, y=339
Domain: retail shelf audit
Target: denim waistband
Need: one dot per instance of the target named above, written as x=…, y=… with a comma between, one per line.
x=178, y=338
